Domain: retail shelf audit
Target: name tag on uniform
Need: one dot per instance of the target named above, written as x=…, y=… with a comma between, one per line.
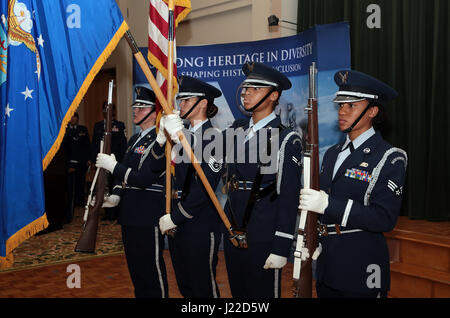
x=140, y=150
x=358, y=174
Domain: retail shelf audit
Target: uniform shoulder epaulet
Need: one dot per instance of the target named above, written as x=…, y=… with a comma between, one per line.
x=397, y=154
x=289, y=134
x=294, y=137
x=390, y=156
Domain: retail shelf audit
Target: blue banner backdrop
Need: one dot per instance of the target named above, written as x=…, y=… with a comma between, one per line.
x=221, y=65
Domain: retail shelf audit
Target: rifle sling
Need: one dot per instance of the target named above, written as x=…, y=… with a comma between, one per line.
x=256, y=193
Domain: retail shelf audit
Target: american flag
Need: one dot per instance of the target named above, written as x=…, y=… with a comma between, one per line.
x=158, y=38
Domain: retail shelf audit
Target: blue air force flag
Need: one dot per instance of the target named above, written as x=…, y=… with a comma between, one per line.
x=50, y=52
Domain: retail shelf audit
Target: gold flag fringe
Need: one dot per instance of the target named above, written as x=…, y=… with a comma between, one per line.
x=20, y=236
x=42, y=222
x=82, y=91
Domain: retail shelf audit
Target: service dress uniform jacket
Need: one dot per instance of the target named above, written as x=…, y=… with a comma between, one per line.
x=118, y=139
x=77, y=145
x=140, y=207
x=194, y=247
x=364, y=201
x=77, y=154
x=271, y=226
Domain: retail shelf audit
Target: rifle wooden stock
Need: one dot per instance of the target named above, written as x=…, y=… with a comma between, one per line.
x=308, y=222
x=187, y=147
x=88, y=236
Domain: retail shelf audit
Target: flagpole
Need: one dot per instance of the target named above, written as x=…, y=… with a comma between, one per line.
x=170, y=102
x=186, y=146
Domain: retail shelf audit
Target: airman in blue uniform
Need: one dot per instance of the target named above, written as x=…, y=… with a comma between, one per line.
x=194, y=247
x=262, y=194
x=361, y=185
x=138, y=192
x=78, y=154
x=118, y=147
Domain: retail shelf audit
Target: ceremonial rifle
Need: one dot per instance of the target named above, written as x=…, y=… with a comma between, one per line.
x=88, y=236
x=307, y=228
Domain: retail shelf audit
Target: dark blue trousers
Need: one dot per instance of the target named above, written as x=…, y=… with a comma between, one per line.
x=194, y=259
x=247, y=277
x=144, y=252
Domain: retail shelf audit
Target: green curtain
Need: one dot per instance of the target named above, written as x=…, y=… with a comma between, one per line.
x=411, y=53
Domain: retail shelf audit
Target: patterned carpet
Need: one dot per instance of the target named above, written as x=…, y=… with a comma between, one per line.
x=58, y=246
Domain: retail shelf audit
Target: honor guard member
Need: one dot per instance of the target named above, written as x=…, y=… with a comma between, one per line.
x=77, y=151
x=262, y=198
x=140, y=194
x=362, y=185
x=194, y=247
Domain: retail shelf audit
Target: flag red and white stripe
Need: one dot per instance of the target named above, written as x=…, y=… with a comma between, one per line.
x=158, y=38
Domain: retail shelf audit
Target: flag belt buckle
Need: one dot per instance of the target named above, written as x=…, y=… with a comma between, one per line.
x=323, y=229
x=233, y=183
x=240, y=235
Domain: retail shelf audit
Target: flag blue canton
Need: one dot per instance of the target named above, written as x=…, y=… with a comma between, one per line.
x=50, y=52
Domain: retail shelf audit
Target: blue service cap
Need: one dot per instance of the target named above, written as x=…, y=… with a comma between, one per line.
x=259, y=74
x=144, y=97
x=355, y=86
x=191, y=87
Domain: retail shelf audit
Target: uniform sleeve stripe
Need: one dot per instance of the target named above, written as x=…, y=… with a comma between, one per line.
x=155, y=155
x=125, y=178
x=285, y=235
x=348, y=208
x=391, y=184
x=280, y=159
x=183, y=211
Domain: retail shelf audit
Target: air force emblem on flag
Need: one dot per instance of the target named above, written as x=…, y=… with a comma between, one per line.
x=20, y=24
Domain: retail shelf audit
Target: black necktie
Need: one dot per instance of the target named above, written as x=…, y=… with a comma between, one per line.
x=350, y=146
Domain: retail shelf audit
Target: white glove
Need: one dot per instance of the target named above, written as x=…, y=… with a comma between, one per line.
x=275, y=261
x=161, y=137
x=173, y=124
x=105, y=161
x=111, y=201
x=313, y=200
x=317, y=252
x=165, y=223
